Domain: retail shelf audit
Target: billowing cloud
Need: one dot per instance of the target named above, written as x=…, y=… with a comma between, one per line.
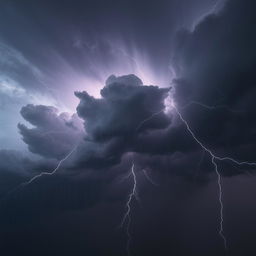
x=129, y=117
x=53, y=134
x=124, y=105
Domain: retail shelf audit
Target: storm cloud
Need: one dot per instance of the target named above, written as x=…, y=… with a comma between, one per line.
x=215, y=66
x=169, y=59
x=124, y=105
x=53, y=134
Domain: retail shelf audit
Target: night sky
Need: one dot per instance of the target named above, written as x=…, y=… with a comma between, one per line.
x=127, y=127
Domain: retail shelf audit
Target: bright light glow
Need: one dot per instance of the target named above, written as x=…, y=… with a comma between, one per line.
x=121, y=60
x=169, y=104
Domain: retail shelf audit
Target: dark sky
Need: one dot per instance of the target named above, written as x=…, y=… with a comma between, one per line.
x=142, y=111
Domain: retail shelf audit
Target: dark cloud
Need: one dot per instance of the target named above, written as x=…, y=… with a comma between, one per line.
x=76, y=210
x=49, y=49
x=132, y=117
x=124, y=105
x=215, y=66
x=114, y=122
x=129, y=117
x=53, y=134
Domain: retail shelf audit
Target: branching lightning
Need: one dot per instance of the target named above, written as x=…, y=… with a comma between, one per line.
x=42, y=173
x=213, y=160
x=127, y=216
x=133, y=194
x=52, y=172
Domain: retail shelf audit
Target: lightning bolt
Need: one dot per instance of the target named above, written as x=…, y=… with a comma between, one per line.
x=133, y=194
x=213, y=160
x=127, y=215
x=26, y=183
x=52, y=172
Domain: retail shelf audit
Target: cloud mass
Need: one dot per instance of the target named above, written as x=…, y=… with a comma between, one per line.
x=170, y=61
